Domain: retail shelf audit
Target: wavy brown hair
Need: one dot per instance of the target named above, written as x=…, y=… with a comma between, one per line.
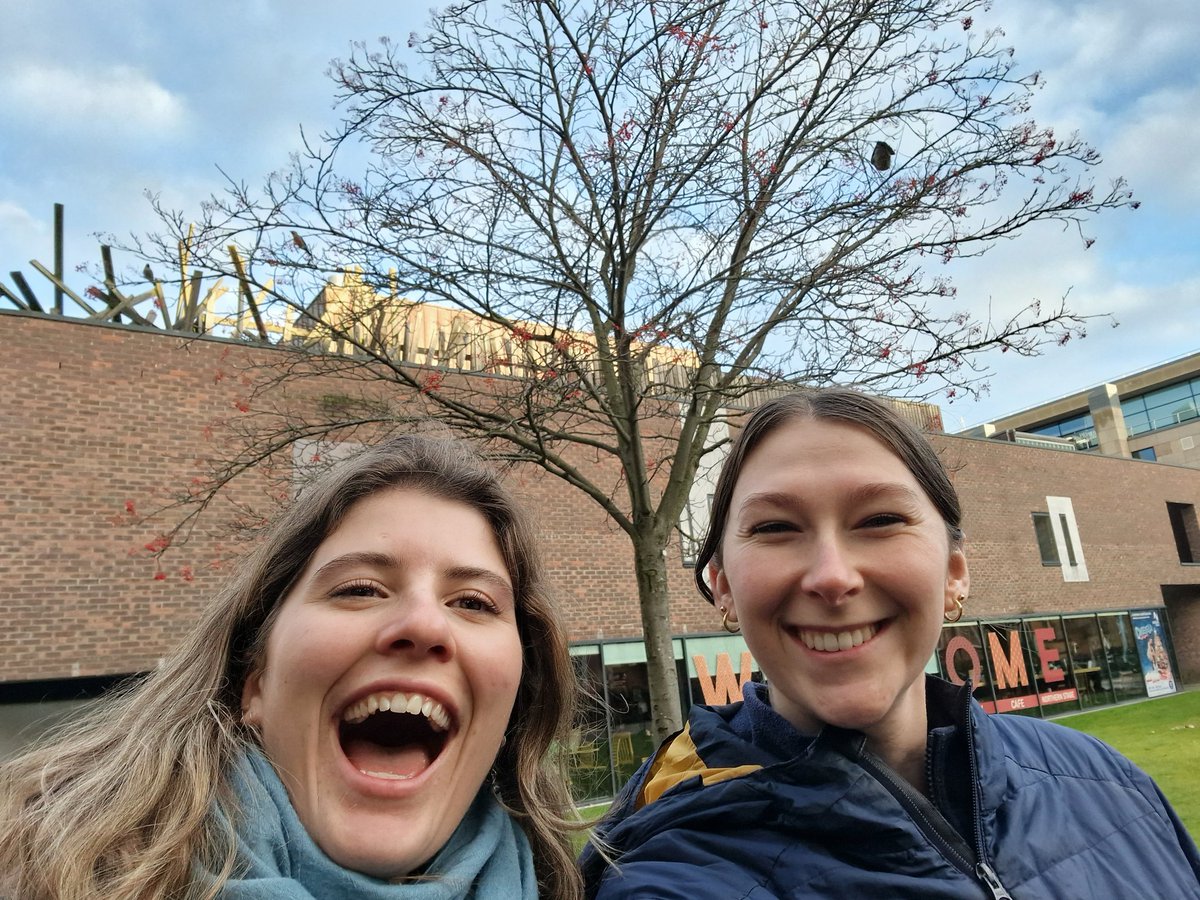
x=132, y=800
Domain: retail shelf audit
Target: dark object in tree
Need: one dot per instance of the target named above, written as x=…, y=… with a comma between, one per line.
x=881, y=157
x=148, y=273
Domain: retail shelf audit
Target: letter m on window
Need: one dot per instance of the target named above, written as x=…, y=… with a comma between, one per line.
x=1010, y=667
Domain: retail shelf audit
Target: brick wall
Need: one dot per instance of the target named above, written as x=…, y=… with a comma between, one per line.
x=93, y=417
x=1120, y=507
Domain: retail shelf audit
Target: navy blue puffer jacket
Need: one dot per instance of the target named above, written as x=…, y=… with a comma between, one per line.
x=1017, y=807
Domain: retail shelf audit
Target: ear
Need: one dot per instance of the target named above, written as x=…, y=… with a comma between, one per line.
x=252, y=699
x=958, y=579
x=722, y=596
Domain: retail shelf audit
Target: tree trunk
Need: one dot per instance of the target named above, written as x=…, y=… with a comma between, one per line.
x=651, y=566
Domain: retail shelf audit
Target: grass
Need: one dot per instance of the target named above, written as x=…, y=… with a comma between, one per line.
x=589, y=814
x=1162, y=736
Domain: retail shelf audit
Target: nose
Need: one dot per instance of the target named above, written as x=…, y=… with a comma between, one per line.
x=416, y=623
x=830, y=573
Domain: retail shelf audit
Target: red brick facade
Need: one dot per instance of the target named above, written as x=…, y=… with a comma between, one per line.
x=94, y=417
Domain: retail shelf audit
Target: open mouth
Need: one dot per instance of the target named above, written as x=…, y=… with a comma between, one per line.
x=394, y=735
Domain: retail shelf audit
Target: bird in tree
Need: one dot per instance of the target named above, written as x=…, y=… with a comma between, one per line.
x=881, y=158
x=148, y=273
x=300, y=244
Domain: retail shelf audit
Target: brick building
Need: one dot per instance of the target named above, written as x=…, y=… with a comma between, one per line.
x=1077, y=555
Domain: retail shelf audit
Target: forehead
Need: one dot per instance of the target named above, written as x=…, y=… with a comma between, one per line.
x=817, y=448
x=413, y=517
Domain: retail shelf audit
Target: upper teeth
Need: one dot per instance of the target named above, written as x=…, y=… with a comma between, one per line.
x=413, y=704
x=832, y=641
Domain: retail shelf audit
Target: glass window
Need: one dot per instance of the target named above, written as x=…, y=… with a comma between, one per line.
x=961, y=656
x=1123, y=667
x=1088, y=665
x=1133, y=406
x=1079, y=423
x=1067, y=427
x=627, y=693
x=1172, y=414
x=1045, y=665
x=1162, y=408
x=1146, y=453
x=1013, y=667
x=1172, y=394
x=1044, y=532
x=1045, y=640
x=1137, y=423
x=628, y=714
x=587, y=746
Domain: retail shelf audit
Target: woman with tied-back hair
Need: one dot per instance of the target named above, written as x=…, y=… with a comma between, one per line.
x=366, y=710
x=836, y=548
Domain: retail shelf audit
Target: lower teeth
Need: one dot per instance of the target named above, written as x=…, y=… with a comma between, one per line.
x=391, y=775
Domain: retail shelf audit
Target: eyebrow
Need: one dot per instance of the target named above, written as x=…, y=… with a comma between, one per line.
x=357, y=558
x=863, y=493
x=473, y=573
x=388, y=561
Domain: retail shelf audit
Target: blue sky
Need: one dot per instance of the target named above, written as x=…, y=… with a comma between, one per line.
x=100, y=102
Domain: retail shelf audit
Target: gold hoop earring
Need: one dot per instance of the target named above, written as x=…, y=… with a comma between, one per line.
x=725, y=622
x=957, y=614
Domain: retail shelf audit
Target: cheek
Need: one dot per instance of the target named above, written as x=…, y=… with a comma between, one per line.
x=749, y=586
x=491, y=662
x=509, y=670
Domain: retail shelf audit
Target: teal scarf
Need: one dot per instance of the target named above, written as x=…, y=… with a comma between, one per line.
x=487, y=857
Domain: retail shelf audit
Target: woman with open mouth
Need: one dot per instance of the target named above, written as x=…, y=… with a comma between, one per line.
x=835, y=546
x=365, y=711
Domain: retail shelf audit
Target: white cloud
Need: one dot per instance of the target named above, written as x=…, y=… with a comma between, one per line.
x=1105, y=52
x=1157, y=147
x=23, y=236
x=17, y=218
x=118, y=102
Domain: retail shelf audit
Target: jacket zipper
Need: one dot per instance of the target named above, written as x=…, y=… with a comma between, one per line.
x=983, y=868
x=988, y=876
x=928, y=819
x=925, y=816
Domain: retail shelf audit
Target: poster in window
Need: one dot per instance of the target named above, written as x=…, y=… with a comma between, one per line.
x=1152, y=650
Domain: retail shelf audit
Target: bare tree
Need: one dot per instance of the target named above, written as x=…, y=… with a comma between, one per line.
x=651, y=208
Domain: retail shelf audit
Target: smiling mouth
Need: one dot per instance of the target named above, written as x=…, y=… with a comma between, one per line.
x=836, y=641
x=394, y=735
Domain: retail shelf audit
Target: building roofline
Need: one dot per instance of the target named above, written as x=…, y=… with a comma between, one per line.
x=1076, y=403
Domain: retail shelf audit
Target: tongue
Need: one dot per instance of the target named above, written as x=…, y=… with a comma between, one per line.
x=405, y=761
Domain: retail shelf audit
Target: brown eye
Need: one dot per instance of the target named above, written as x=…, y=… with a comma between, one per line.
x=476, y=603
x=361, y=588
x=882, y=520
x=771, y=528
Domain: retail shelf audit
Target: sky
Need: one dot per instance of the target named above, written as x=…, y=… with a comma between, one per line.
x=101, y=102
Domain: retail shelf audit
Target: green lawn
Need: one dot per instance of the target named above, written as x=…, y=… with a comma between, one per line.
x=589, y=814
x=1163, y=737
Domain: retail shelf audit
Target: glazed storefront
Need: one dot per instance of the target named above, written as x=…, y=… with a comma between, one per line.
x=1050, y=665
x=1036, y=665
